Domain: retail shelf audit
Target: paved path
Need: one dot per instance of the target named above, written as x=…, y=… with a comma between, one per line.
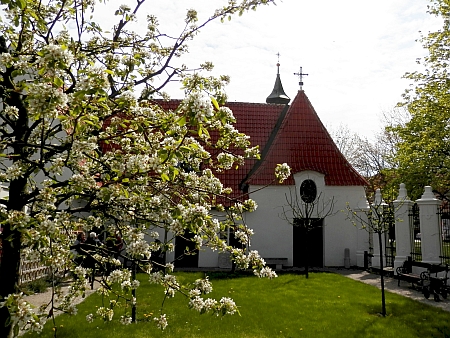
x=391, y=284
x=39, y=299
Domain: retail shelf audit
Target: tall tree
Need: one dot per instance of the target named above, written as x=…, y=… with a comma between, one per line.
x=83, y=146
x=424, y=151
x=373, y=159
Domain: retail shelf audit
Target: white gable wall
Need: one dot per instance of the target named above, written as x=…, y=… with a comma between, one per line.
x=273, y=234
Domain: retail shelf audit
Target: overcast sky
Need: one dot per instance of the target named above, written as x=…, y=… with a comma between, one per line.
x=355, y=52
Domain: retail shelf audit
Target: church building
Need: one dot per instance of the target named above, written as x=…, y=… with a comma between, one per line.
x=321, y=185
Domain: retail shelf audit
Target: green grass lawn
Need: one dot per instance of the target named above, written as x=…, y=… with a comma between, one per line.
x=325, y=305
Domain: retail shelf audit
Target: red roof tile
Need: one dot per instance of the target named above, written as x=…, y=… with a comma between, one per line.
x=295, y=135
x=304, y=144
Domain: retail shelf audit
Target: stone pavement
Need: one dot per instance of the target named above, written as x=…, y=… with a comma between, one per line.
x=391, y=284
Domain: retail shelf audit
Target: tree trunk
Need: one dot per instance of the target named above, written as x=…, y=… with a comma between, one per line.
x=383, y=300
x=9, y=272
x=10, y=265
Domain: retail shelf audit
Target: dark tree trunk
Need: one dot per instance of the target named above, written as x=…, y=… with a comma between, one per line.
x=9, y=268
x=383, y=300
x=9, y=272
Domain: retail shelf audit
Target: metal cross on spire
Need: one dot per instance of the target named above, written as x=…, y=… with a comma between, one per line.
x=278, y=63
x=300, y=77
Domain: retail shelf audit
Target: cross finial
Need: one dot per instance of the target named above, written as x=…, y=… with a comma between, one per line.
x=300, y=75
x=278, y=63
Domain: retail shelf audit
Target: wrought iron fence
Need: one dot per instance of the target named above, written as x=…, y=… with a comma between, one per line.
x=389, y=235
x=444, y=215
x=414, y=223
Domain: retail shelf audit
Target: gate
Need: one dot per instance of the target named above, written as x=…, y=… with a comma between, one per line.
x=389, y=235
x=444, y=213
x=414, y=223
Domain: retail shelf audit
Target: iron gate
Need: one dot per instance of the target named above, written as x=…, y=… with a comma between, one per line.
x=444, y=213
x=414, y=223
x=389, y=235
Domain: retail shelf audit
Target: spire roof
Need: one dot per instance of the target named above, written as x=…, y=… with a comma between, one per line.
x=278, y=95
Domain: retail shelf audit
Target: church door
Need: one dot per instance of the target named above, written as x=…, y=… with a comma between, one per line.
x=183, y=244
x=308, y=245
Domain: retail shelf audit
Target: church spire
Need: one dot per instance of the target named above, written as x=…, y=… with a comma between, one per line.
x=278, y=95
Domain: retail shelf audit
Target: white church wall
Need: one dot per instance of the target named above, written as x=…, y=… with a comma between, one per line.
x=273, y=235
x=339, y=232
x=208, y=258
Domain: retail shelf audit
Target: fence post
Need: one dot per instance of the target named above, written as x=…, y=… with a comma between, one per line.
x=402, y=205
x=429, y=227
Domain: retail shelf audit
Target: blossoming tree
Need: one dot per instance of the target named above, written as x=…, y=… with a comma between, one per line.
x=84, y=146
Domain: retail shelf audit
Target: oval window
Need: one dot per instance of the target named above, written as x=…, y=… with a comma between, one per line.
x=308, y=191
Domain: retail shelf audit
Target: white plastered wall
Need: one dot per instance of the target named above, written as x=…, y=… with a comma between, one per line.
x=273, y=234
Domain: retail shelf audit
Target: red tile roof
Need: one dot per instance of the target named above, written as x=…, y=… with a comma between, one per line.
x=292, y=134
x=304, y=144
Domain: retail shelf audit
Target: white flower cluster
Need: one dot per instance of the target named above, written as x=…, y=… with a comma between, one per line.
x=170, y=284
x=125, y=320
x=45, y=100
x=250, y=205
x=228, y=306
x=54, y=55
x=119, y=276
x=265, y=272
x=282, y=172
x=96, y=77
x=22, y=314
x=14, y=171
x=137, y=246
x=227, y=113
x=203, y=285
x=243, y=235
x=199, y=106
x=161, y=321
x=11, y=111
x=105, y=313
x=226, y=160
x=6, y=60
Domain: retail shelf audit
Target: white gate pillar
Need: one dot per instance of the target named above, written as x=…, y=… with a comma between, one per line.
x=402, y=205
x=430, y=227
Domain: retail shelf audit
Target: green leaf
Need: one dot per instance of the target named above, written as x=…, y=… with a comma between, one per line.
x=214, y=102
x=181, y=121
x=165, y=177
x=22, y=4
x=58, y=82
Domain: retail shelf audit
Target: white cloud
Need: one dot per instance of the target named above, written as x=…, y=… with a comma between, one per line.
x=354, y=51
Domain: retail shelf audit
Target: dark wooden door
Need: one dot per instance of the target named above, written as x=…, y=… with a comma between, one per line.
x=308, y=245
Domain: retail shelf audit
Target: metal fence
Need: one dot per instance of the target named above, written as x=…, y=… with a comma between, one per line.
x=389, y=235
x=414, y=223
x=31, y=270
x=444, y=215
